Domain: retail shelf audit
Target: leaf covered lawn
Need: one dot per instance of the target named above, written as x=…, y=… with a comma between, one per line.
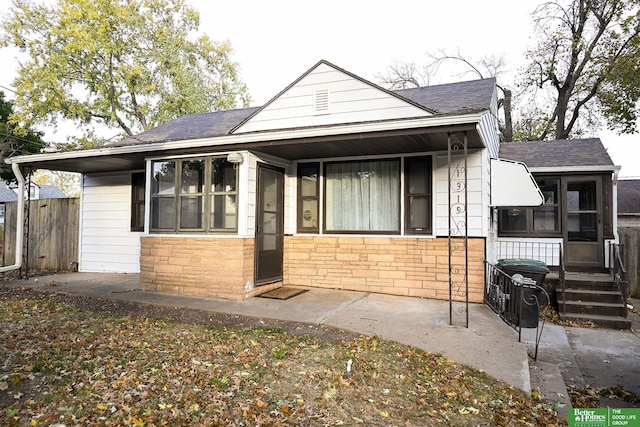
x=62, y=365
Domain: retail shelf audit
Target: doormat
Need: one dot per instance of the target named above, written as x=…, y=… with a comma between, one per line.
x=283, y=293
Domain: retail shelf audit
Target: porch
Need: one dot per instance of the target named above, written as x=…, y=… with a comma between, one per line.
x=598, y=296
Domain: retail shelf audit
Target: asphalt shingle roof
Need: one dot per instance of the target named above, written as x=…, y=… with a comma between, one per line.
x=7, y=194
x=51, y=192
x=192, y=126
x=453, y=98
x=559, y=153
x=629, y=196
x=446, y=99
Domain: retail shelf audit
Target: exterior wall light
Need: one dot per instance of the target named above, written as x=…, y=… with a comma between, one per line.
x=235, y=158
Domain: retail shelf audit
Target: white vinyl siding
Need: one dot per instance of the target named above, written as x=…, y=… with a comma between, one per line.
x=106, y=242
x=475, y=205
x=488, y=129
x=350, y=101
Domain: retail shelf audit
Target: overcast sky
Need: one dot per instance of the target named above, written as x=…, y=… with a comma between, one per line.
x=276, y=41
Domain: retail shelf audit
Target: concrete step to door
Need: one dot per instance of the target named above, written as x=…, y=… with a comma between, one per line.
x=593, y=308
x=612, y=322
x=590, y=295
x=591, y=285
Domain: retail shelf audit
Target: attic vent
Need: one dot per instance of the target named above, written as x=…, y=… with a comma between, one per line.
x=321, y=102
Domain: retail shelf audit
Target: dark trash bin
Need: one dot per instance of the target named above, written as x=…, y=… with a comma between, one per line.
x=533, y=273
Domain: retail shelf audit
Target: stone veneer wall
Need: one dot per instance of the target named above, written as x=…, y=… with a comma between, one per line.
x=222, y=267
x=391, y=265
x=203, y=266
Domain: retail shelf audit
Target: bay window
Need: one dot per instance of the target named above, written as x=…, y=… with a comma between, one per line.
x=194, y=195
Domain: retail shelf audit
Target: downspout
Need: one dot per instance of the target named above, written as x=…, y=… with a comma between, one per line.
x=19, y=220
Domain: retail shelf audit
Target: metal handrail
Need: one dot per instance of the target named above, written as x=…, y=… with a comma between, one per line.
x=561, y=275
x=500, y=289
x=619, y=274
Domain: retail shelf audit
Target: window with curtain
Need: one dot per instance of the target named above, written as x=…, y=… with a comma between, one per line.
x=194, y=195
x=362, y=196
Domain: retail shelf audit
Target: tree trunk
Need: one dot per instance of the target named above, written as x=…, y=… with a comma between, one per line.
x=561, y=114
x=507, y=134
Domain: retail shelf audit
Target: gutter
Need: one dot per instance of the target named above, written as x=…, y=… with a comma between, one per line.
x=556, y=169
x=19, y=221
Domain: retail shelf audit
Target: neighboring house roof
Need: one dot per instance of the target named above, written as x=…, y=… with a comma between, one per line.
x=585, y=153
x=7, y=194
x=51, y=192
x=629, y=196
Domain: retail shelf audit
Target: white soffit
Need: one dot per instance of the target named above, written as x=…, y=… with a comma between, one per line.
x=326, y=96
x=513, y=185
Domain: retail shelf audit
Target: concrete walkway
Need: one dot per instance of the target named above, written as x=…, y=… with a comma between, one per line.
x=488, y=344
x=599, y=358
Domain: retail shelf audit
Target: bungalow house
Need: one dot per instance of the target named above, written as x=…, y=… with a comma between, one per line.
x=335, y=182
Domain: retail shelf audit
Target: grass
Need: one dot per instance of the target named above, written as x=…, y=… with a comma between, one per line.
x=64, y=365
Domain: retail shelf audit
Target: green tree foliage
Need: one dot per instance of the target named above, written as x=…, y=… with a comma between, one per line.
x=584, y=69
x=13, y=140
x=127, y=64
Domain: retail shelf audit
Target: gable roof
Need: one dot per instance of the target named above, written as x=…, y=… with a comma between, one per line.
x=329, y=95
x=585, y=154
x=439, y=100
x=629, y=196
x=368, y=120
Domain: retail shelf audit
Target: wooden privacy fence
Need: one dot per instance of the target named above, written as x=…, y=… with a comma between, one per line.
x=52, y=237
x=630, y=240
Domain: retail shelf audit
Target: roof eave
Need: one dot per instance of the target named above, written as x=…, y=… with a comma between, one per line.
x=423, y=122
x=575, y=169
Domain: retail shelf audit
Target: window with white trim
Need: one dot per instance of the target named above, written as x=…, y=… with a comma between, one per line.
x=194, y=195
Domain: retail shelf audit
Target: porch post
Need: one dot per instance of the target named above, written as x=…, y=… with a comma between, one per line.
x=458, y=224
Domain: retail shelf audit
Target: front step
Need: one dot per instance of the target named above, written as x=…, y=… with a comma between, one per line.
x=611, y=322
x=593, y=298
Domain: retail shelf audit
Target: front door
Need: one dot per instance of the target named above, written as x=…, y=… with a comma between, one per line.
x=269, y=225
x=583, y=223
